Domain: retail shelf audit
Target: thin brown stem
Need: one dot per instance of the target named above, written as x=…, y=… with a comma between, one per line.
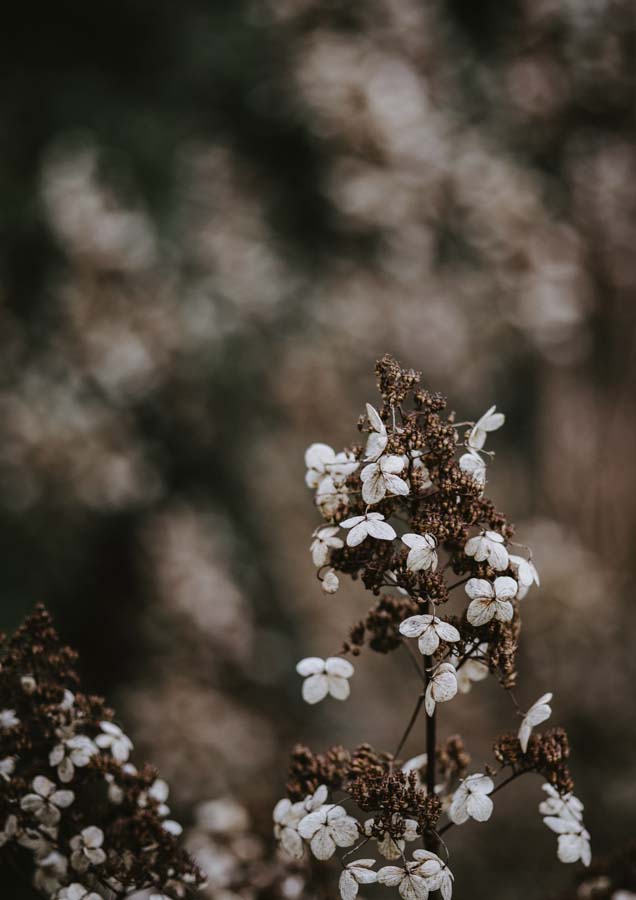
x=410, y=725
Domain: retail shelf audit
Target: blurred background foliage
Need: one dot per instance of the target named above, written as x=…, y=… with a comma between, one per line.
x=215, y=217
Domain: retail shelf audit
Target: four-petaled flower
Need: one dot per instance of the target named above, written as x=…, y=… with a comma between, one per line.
x=490, y=601
x=422, y=553
x=86, y=849
x=370, y=525
x=355, y=873
x=46, y=801
x=327, y=828
x=490, y=421
x=471, y=800
x=324, y=540
x=490, y=546
x=113, y=738
x=325, y=676
x=380, y=478
x=429, y=629
x=378, y=438
x=436, y=873
x=72, y=752
x=538, y=712
x=442, y=686
x=410, y=884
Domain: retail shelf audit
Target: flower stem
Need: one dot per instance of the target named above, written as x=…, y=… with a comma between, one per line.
x=430, y=839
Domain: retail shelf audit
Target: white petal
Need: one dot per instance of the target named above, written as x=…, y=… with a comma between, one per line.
x=311, y=665
x=444, y=686
x=339, y=688
x=344, y=831
x=323, y=845
x=396, y=485
x=428, y=642
x=348, y=886
x=357, y=534
x=390, y=875
x=505, y=587
x=479, y=587
x=458, y=811
x=479, y=807
x=336, y=665
x=292, y=843
x=525, y=731
x=414, y=625
x=480, y=611
x=374, y=489
x=503, y=610
x=391, y=465
x=374, y=419
x=312, y=823
x=381, y=531
x=446, y=631
x=317, y=455
x=429, y=702
x=376, y=445
x=315, y=688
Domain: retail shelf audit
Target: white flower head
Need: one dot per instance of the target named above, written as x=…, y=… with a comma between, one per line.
x=472, y=669
x=575, y=847
x=442, y=686
x=490, y=546
x=380, y=478
x=566, y=807
x=71, y=753
x=490, y=421
x=490, y=601
x=8, y=719
x=538, y=712
x=324, y=540
x=435, y=872
x=378, y=439
x=471, y=800
x=114, y=739
x=322, y=462
x=325, y=676
x=326, y=828
x=422, y=553
x=330, y=582
x=87, y=849
x=410, y=884
x=287, y=817
x=472, y=464
x=429, y=630
x=46, y=801
x=370, y=525
x=355, y=873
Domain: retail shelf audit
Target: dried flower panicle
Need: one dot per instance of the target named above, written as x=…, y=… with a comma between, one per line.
x=71, y=801
x=407, y=515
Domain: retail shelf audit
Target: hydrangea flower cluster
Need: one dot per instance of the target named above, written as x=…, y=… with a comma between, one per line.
x=71, y=801
x=405, y=512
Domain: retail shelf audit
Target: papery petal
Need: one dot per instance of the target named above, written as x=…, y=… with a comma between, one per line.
x=505, y=587
x=390, y=875
x=374, y=489
x=479, y=807
x=348, y=886
x=479, y=587
x=339, y=688
x=396, y=485
x=415, y=625
x=311, y=665
x=292, y=843
x=381, y=531
x=480, y=611
x=323, y=845
x=503, y=610
x=315, y=689
x=428, y=641
x=318, y=455
x=311, y=823
x=446, y=631
x=357, y=534
x=337, y=665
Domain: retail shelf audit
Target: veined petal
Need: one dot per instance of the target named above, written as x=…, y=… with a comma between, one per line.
x=415, y=625
x=381, y=530
x=358, y=534
x=337, y=665
x=323, y=845
x=480, y=611
x=479, y=807
x=428, y=641
x=479, y=587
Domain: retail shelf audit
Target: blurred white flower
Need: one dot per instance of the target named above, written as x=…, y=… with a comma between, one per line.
x=471, y=800
x=7, y=767
x=574, y=840
x=472, y=669
x=114, y=739
x=378, y=439
x=489, y=545
x=86, y=849
x=566, y=806
x=322, y=461
x=429, y=630
x=379, y=478
x=331, y=497
x=538, y=712
x=330, y=582
x=490, y=421
x=325, y=676
x=72, y=752
x=327, y=828
x=436, y=873
x=46, y=801
x=355, y=873
x=8, y=719
x=490, y=601
x=441, y=687
x=370, y=525
x=324, y=540
x=422, y=553
x=287, y=817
